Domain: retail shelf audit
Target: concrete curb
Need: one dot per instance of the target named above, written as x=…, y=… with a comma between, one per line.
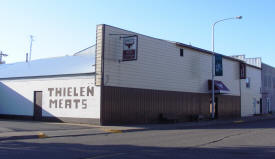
x=21, y=136
x=113, y=130
x=135, y=128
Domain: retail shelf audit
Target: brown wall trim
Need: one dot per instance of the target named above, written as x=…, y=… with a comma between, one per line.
x=132, y=105
x=53, y=119
x=102, y=74
x=211, y=53
x=229, y=107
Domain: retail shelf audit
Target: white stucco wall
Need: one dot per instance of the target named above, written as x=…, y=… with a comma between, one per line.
x=249, y=94
x=17, y=96
x=159, y=65
x=268, y=87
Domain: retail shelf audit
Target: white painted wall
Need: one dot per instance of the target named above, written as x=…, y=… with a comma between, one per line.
x=268, y=87
x=159, y=66
x=17, y=96
x=248, y=94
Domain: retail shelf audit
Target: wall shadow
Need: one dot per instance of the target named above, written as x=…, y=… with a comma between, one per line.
x=11, y=98
x=260, y=124
x=15, y=106
x=15, y=150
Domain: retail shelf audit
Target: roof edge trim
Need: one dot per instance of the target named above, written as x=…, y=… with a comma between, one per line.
x=48, y=76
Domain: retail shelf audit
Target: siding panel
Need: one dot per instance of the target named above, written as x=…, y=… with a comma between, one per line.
x=160, y=67
x=248, y=94
x=129, y=105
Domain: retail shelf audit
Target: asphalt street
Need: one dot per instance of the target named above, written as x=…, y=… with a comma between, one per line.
x=236, y=140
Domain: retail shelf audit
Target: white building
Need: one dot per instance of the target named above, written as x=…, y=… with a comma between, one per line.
x=133, y=78
x=63, y=87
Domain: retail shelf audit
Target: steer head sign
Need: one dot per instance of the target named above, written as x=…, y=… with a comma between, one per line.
x=129, y=48
x=129, y=43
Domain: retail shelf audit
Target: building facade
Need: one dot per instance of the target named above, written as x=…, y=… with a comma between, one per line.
x=268, y=88
x=167, y=77
x=251, y=92
x=57, y=89
x=131, y=78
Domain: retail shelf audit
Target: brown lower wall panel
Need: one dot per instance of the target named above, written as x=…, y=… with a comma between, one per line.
x=131, y=105
x=229, y=106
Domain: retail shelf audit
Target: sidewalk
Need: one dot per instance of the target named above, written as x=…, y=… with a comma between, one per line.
x=190, y=125
x=86, y=129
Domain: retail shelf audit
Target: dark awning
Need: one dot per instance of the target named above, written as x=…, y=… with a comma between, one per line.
x=219, y=86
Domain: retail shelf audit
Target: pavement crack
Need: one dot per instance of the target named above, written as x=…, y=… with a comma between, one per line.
x=218, y=140
x=107, y=155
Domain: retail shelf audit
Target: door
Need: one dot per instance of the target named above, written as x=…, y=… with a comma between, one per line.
x=268, y=105
x=37, y=112
x=261, y=106
x=254, y=105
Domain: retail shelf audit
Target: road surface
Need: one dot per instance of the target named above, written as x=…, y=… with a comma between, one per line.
x=231, y=141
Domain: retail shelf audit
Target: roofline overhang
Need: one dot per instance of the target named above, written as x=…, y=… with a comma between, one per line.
x=210, y=53
x=48, y=76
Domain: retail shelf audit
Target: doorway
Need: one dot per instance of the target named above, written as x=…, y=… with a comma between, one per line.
x=37, y=111
x=254, y=106
x=268, y=103
x=261, y=106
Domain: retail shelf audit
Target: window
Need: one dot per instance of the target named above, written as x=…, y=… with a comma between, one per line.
x=181, y=52
x=268, y=103
x=269, y=81
x=265, y=81
x=247, y=82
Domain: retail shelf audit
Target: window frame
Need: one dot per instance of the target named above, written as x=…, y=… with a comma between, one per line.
x=248, y=82
x=181, y=52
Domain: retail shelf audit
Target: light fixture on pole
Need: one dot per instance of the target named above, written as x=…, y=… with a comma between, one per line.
x=213, y=62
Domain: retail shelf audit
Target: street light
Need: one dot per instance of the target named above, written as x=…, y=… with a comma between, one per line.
x=213, y=61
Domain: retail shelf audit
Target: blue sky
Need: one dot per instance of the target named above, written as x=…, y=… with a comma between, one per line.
x=62, y=27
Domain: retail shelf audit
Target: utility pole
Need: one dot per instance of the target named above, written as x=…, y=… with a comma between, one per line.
x=1, y=56
x=213, y=63
x=30, y=54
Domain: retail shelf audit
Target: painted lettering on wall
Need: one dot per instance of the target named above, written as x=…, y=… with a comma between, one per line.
x=70, y=97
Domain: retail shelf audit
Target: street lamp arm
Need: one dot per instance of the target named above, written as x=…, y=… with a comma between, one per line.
x=213, y=28
x=223, y=20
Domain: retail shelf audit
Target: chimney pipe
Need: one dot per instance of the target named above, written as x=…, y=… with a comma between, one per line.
x=26, y=57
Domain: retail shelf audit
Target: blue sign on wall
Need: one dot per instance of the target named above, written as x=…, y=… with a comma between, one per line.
x=218, y=65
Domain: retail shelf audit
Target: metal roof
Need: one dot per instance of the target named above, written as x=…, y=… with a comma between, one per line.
x=65, y=65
